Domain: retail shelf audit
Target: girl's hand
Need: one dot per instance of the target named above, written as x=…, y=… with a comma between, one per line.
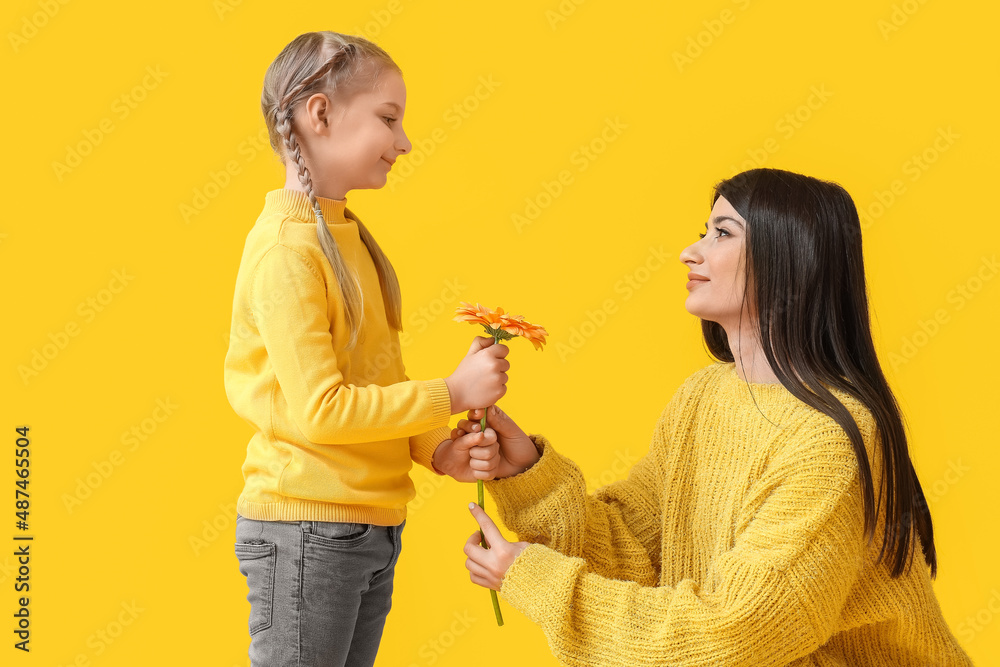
x=455, y=457
x=517, y=451
x=487, y=567
x=481, y=377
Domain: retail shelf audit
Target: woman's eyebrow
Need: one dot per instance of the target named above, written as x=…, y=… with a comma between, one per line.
x=719, y=218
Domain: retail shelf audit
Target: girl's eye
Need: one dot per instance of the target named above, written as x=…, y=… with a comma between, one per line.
x=389, y=120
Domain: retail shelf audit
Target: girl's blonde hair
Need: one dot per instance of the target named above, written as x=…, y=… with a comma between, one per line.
x=338, y=66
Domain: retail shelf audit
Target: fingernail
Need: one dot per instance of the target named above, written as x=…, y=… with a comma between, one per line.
x=471, y=505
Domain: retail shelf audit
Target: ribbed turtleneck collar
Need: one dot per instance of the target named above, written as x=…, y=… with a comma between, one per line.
x=297, y=205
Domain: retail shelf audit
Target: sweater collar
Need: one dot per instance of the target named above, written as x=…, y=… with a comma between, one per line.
x=297, y=205
x=731, y=377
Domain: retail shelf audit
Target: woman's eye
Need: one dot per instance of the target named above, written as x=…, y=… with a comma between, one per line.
x=388, y=119
x=720, y=230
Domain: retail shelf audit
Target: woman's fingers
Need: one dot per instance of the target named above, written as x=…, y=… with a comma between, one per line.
x=474, y=550
x=479, y=581
x=478, y=563
x=469, y=426
x=476, y=570
x=493, y=536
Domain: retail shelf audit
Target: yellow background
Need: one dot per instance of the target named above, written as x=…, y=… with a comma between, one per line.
x=851, y=91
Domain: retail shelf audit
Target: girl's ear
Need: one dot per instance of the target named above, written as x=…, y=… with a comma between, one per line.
x=318, y=108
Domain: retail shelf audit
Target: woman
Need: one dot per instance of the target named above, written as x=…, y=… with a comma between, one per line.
x=777, y=518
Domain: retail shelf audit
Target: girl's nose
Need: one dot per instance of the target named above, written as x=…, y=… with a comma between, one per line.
x=404, y=146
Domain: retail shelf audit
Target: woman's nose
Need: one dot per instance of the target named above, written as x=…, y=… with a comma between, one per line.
x=690, y=255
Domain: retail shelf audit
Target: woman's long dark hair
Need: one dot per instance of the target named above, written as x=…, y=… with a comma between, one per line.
x=805, y=274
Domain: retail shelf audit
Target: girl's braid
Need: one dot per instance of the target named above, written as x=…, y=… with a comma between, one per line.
x=353, y=296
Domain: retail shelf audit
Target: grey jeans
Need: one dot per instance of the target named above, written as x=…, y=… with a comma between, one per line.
x=319, y=591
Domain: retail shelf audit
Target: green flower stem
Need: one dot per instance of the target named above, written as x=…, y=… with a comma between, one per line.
x=498, y=335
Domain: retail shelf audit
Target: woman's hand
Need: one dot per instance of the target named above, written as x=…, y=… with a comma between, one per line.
x=487, y=567
x=517, y=451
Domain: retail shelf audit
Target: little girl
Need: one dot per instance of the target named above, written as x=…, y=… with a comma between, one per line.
x=317, y=372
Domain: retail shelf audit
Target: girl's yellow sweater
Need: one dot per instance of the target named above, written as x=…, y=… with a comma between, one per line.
x=334, y=430
x=734, y=541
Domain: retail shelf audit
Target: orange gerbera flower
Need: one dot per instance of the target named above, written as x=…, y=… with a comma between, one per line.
x=501, y=325
x=517, y=325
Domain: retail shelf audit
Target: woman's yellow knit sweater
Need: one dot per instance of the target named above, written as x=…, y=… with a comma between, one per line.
x=734, y=541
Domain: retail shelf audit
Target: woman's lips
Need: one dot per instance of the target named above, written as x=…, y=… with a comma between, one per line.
x=695, y=279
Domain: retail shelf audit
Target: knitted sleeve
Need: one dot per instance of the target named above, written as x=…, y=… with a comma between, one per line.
x=616, y=530
x=422, y=446
x=296, y=335
x=773, y=597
